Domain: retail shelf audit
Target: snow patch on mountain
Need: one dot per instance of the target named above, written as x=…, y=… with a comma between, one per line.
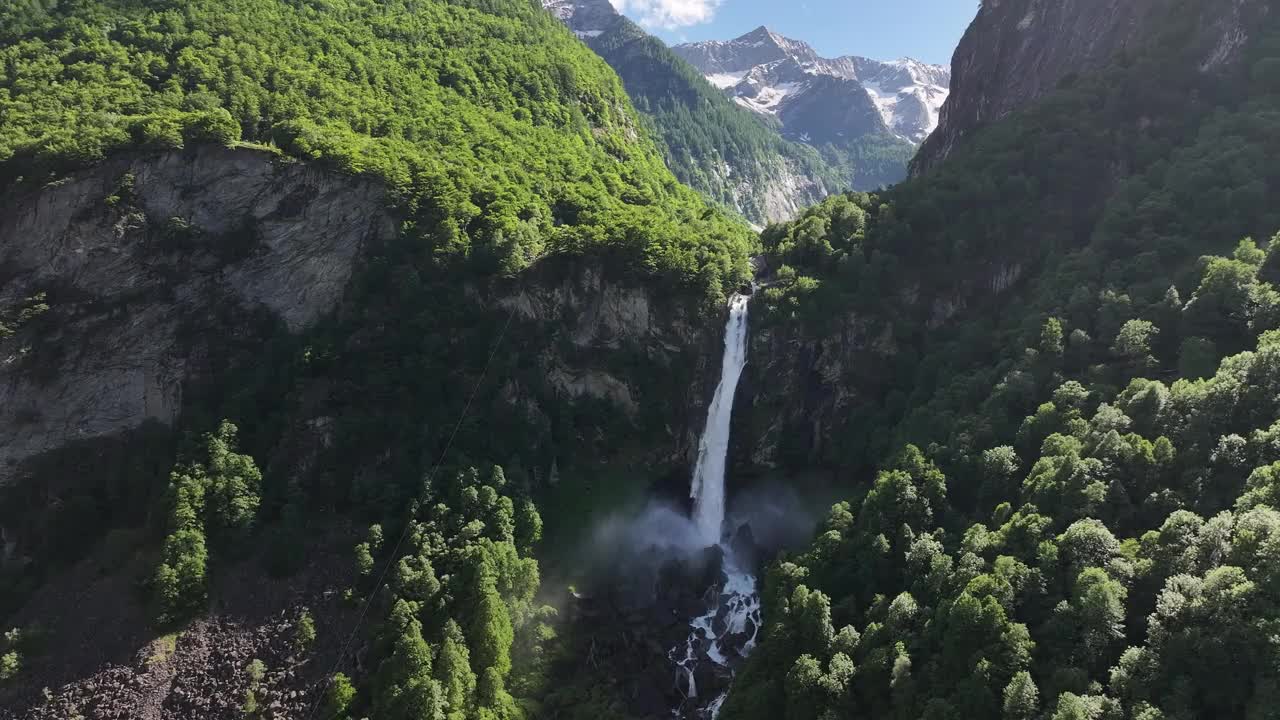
x=908, y=93
x=724, y=81
x=767, y=72
x=768, y=99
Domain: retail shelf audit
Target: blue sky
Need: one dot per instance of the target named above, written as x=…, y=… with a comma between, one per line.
x=884, y=29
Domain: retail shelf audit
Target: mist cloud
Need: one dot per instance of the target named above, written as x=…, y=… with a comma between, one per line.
x=668, y=14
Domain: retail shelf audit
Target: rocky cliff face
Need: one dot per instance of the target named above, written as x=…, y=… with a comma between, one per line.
x=1016, y=51
x=798, y=388
x=774, y=191
x=161, y=271
x=596, y=338
x=143, y=261
x=586, y=18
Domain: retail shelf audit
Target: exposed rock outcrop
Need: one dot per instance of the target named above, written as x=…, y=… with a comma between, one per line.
x=607, y=339
x=140, y=259
x=1016, y=51
x=799, y=387
x=786, y=191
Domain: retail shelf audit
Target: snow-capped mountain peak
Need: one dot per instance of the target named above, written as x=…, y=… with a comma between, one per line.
x=759, y=47
x=768, y=72
x=794, y=49
x=908, y=93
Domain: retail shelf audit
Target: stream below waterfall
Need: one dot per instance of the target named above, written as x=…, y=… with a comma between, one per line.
x=728, y=631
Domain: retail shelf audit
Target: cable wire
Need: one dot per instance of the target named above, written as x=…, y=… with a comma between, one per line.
x=395, y=551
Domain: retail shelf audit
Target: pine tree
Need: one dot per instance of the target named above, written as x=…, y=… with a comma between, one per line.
x=407, y=689
x=453, y=671
x=1021, y=698
x=491, y=630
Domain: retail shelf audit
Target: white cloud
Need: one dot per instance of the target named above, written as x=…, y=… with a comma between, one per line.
x=668, y=14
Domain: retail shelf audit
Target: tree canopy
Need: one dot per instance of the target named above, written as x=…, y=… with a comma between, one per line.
x=500, y=136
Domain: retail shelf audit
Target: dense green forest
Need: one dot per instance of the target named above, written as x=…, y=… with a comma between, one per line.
x=511, y=152
x=1074, y=511
x=1119, y=557
x=502, y=136
x=457, y=581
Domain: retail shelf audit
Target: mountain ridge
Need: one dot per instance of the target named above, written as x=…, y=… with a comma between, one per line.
x=728, y=153
x=764, y=71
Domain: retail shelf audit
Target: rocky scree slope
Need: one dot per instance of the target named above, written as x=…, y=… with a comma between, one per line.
x=102, y=660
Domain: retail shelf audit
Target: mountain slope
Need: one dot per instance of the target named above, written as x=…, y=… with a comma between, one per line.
x=498, y=179
x=1051, y=358
x=340, y=226
x=1016, y=52
x=762, y=67
x=833, y=104
x=729, y=154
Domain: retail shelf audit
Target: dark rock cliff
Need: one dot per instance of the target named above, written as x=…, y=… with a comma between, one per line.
x=1016, y=51
x=136, y=258
x=161, y=273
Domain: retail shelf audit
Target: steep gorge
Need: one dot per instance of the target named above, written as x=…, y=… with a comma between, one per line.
x=216, y=296
x=346, y=311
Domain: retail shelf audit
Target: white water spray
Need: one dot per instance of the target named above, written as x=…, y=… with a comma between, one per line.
x=707, y=490
x=729, y=629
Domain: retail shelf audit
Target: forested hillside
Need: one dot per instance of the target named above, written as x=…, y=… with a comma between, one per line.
x=330, y=310
x=527, y=195
x=1073, y=514
x=494, y=128
x=714, y=145
x=727, y=152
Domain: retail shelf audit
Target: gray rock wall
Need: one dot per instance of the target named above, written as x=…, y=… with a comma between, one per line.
x=134, y=276
x=1016, y=51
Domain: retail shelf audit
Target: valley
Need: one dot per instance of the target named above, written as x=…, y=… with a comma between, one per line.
x=494, y=360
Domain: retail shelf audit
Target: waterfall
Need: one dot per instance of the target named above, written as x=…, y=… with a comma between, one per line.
x=731, y=625
x=707, y=489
